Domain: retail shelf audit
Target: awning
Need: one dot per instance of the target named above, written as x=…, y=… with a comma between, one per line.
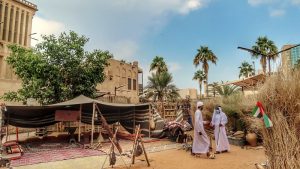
x=249, y=82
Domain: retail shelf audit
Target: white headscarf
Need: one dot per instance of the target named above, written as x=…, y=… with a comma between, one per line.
x=199, y=104
x=220, y=109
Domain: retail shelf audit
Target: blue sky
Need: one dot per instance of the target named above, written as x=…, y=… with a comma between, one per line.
x=174, y=29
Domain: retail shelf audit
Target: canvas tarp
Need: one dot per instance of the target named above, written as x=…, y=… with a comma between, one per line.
x=39, y=116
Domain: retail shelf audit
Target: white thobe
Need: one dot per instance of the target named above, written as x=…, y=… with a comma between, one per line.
x=220, y=132
x=200, y=142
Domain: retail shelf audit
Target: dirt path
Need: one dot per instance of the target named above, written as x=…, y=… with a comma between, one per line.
x=179, y=159
x=237, y=158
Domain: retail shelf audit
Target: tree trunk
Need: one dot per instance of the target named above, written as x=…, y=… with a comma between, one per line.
x=200, y=88
x=263, y=63
x=269, y=62
x=214, y=91
x=206, y=86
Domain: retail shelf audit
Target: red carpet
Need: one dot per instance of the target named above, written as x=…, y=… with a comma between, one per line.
x=53, y=155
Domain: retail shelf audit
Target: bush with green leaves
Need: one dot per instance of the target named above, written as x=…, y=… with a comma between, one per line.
x=57, y=69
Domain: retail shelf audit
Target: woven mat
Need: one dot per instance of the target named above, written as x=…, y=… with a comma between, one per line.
x=54, y=155
x=50, y=152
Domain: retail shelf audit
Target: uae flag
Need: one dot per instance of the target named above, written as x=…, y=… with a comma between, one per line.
x=258, y=111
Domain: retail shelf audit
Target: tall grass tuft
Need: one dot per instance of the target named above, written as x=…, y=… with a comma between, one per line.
x=281, y=97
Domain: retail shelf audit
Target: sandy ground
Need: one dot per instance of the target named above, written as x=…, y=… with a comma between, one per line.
x=179, y=159
x=237, y=158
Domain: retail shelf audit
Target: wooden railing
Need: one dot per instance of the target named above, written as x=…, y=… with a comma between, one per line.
x=115, y=99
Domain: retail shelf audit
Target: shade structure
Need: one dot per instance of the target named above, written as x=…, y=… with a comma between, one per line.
x=128, y=115
x=249, y=82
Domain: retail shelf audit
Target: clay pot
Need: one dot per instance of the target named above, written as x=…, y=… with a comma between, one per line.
x=251, y=139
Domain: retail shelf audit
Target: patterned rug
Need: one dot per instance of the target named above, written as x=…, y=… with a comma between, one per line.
x=54, y=155
x=35, y=153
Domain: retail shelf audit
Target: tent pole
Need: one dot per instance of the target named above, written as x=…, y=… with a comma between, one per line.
x=133, y=127
x=7, y=128
x=92, y=131
x=79, y=123
x=7, y=133
x=17, y=134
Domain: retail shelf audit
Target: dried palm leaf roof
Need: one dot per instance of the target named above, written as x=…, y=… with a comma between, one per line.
x=249, y=82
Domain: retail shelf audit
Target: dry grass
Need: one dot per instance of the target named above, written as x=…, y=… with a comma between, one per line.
x=281, y=97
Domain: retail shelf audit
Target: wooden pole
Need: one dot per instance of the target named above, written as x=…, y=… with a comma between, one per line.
x=114, y=145
x=135, y=141
x=79, y=123
x=138, y=139
x=7, y=133
x=146, y=156
x=92, y=131
x=133, y=121
x=7, y=128
x=17, y=134
x=150, y=111
x=106, y=127
x=163, y=108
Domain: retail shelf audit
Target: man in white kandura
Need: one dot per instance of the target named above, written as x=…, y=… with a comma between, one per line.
x=201, y=140
x=219, y=121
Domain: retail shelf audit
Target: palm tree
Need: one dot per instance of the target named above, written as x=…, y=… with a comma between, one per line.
x=227, y=90
x=160, y=87
x=246, y=69
x=158, y=64
x=214, y=86
x=265, y=49
x=200, y=76
x=204, y=56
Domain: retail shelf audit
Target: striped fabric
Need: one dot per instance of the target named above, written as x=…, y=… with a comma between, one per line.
x=128, y=115
x=179, y=116
x=159, y=125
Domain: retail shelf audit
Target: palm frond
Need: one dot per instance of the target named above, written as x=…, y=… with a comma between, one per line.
x=227, y=90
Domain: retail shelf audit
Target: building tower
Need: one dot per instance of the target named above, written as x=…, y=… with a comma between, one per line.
x=295, y=55
x=15, y=28
x=289, y=58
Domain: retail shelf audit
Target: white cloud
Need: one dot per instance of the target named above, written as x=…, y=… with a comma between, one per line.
x=277, y=12
x=276, y=8
x=190, y=5
x=124, y=49
x=296, y=2
x=274, y=2
x=119, y=25
x=259, y=2
x=42, y=26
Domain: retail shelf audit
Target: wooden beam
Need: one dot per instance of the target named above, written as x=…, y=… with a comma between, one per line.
x=93, y=119
x=106, y=127
x=79, y=123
